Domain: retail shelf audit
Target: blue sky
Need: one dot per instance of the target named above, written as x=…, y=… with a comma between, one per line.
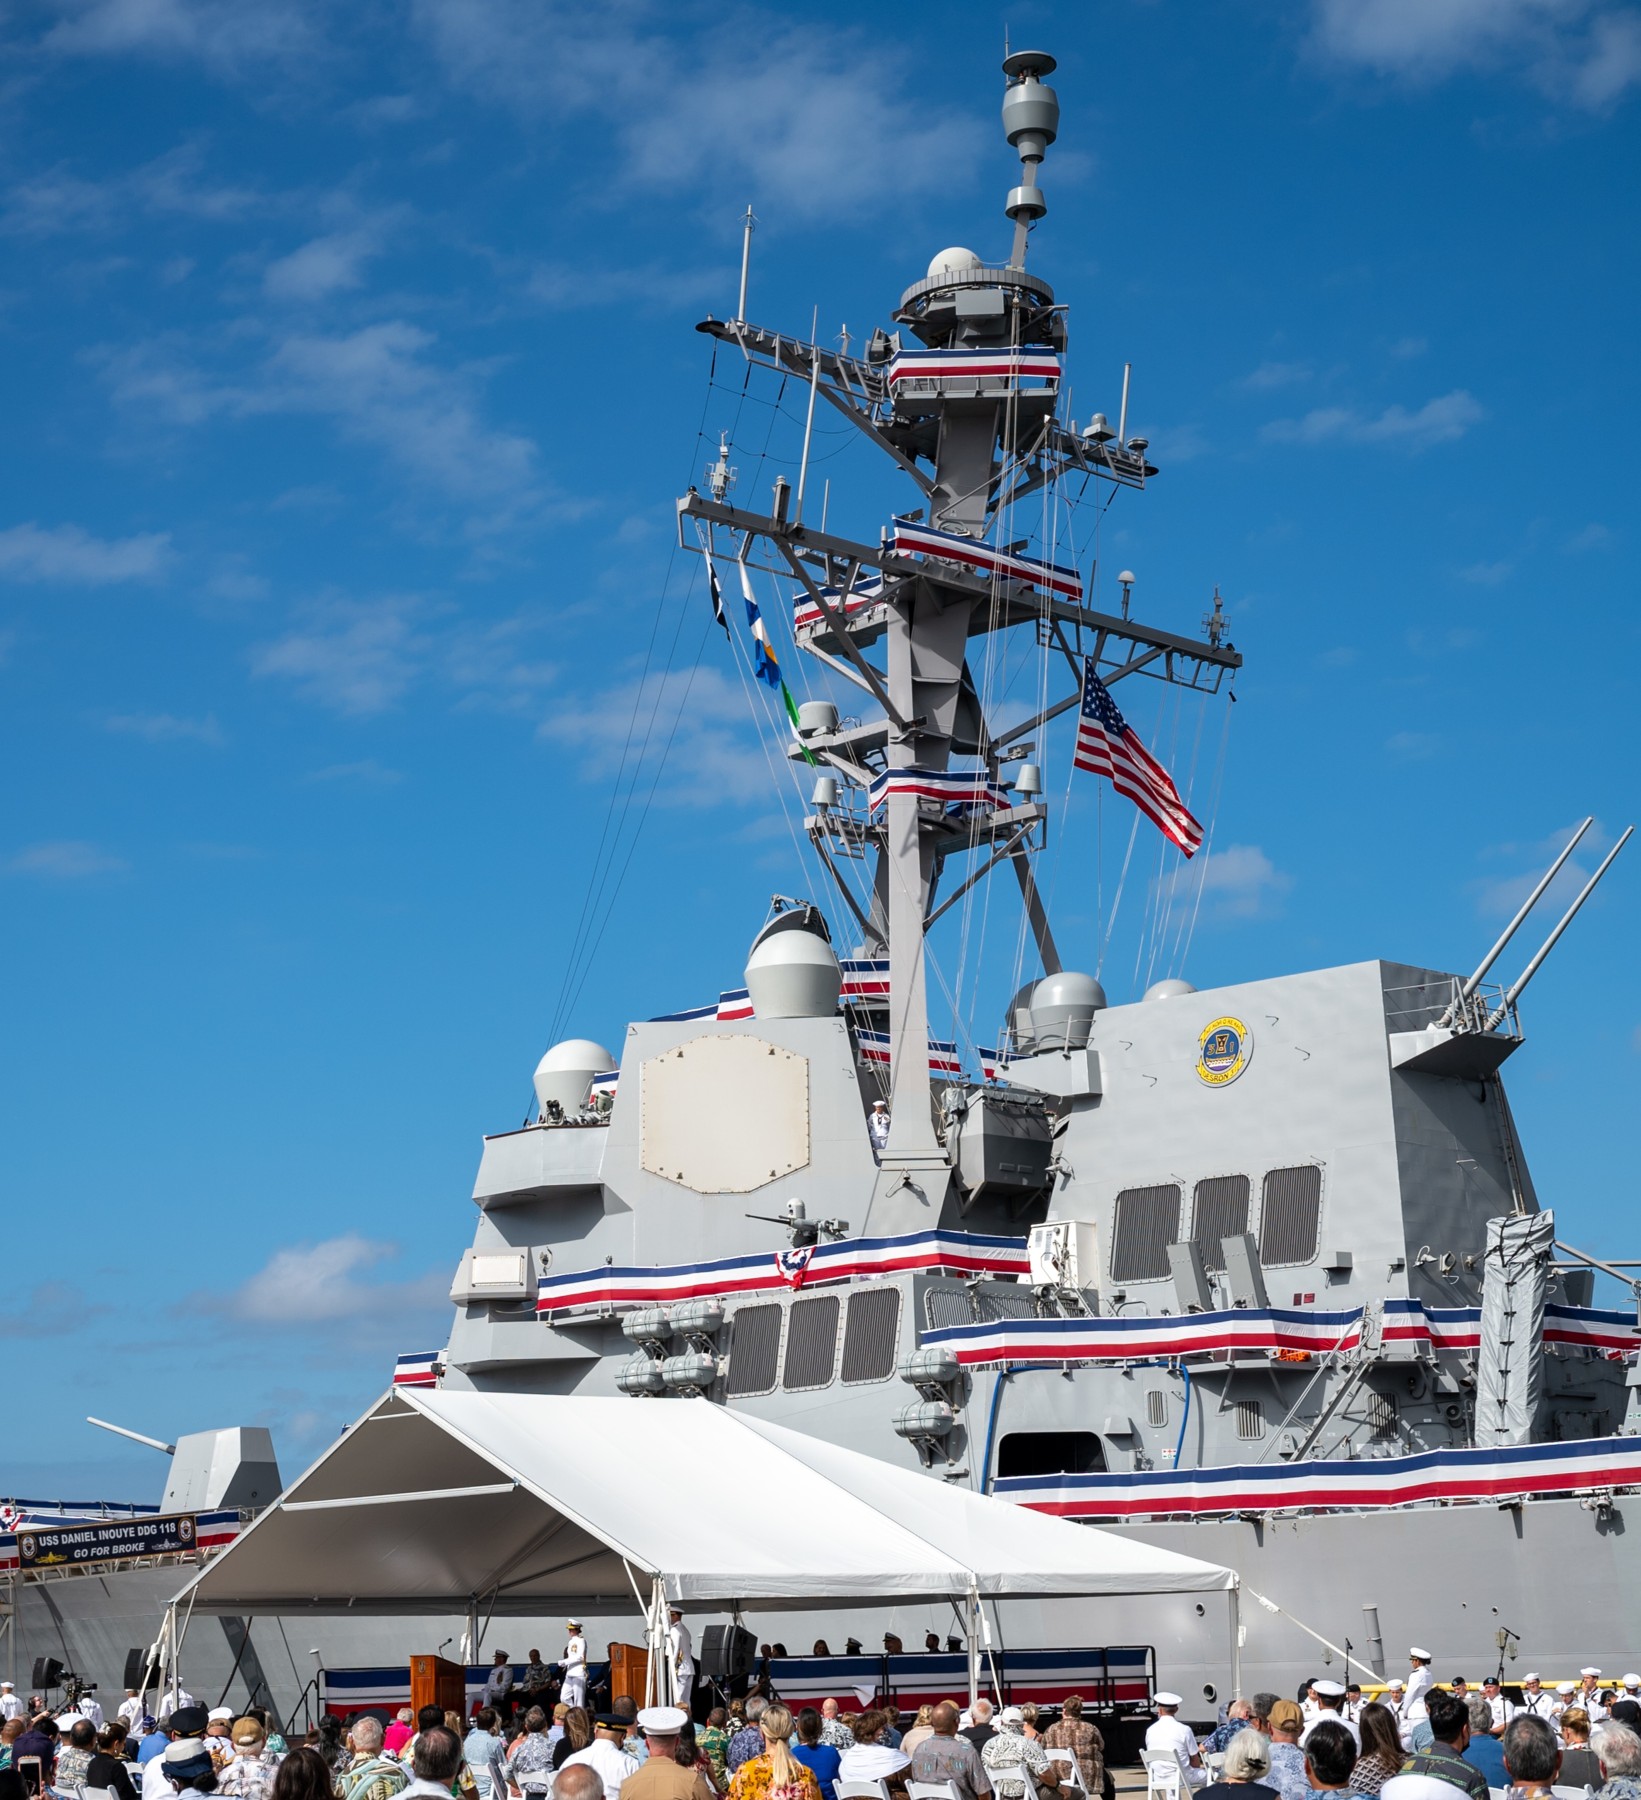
x=350, y=381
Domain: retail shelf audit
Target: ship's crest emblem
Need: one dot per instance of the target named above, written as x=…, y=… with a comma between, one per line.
x=1223, y=1051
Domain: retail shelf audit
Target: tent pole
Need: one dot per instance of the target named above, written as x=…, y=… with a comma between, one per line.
x=1236, y=1642
x=971, y=1626
x=470, y=1649
x=658, y=1677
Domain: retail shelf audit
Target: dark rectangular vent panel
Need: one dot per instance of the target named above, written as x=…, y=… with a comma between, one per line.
x=1146, y=1223
x=947, y=1307
x=1221, y=1211
x=811, y=1343
x=1250, y=1420
x=871, y=1334
x=755, y=1351
x=1156, y=1407
x=1292, y=1216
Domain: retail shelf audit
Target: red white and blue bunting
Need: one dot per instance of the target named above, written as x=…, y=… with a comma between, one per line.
x=212, y=1530
x=908, y=539
x=807, y=611
x=874, y=1047
x=419, y=1368
x=1268, y=1330
x=856, y=1259
x=1527, y=1472
x=1016, y=367
x=949, y=787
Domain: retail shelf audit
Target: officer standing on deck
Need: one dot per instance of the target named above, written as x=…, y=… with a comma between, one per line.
x=575, y=1666
x=681, y=1653
x=1419, y=1687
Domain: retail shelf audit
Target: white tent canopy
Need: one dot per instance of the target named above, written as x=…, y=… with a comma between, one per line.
x=439, y=1501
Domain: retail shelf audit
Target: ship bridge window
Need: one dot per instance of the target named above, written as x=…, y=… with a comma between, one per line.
x=1219, y=1211
x=811, y=1343
x=1145, y=1223
x=871, y=1334
x=1050, y=1453
x=754, y=1351
x=1291, y=1216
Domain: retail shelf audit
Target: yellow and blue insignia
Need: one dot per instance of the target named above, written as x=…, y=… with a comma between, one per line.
x=1223, y=1051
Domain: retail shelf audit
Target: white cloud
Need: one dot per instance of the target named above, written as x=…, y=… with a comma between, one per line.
x=165, y=728
x=65, y=859
x=1585, y=53
x=1594, y=536
x=229, y=37
x=368, y=772
x=1438, y=421
x=1238, y=881
x=351, y=656
x=1498, y=896
x=1275, y=375
x=381, y=385
x=1487, y=574
x=53, y=1309
x=173, y=185
x=795, y=114
x=330, y=1282
x=1413, y=746
x=691, y=730
x=326, y=265
x=68, y=553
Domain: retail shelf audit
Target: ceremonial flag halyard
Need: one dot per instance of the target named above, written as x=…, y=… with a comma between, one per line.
x=1108, y=745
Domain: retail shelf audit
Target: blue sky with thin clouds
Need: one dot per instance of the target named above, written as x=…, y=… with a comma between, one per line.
x=350, y=381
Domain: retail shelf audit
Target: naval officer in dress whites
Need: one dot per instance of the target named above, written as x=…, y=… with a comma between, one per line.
x=575, y=1666
x=681, y=1654
x=1330, y=1710
x=1419, y=1685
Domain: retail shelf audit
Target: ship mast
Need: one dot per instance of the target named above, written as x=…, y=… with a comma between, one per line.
x=975, y=424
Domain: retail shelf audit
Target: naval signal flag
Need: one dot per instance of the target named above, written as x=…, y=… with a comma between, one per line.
x=1108, y=745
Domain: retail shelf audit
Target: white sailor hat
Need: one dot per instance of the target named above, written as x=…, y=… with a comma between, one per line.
x=1532, y=1676
x=664, y=1721
x=575, y=1622
x=1414, y=1650
x=1396, y=1681
x=1166, y=1699
x=1589, y=1671
x=1329, y=1690
x=1632, y=1681
x=218, y=1713
x=1567, y=1687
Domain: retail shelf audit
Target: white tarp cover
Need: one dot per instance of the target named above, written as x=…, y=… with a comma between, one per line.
x=535, y=1504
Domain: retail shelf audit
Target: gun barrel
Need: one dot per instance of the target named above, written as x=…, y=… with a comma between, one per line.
x=1514, y=926
x=135, y=1436
x=1549, y=943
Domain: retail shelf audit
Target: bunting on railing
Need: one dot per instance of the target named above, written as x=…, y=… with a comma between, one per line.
x=419, y=1368
x=930, y=1252
x=972, y=788
x=909, y=539
x=1265, y=1330
x=806, y=610
x=1526, y=1472
x=944, y=1059
x=1014, y=366
x=864, y=978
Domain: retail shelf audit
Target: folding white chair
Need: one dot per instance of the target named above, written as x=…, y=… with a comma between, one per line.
x=1164, y=1779
x=931, y=1790
x=862, y=1790
x=1068, y=1766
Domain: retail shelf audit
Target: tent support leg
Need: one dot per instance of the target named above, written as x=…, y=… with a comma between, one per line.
x=1235, y=1597
x=658, y=1682
x=470, y=1642
x=971, y=1627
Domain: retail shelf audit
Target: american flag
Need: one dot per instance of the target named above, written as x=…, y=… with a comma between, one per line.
x=1108, y=745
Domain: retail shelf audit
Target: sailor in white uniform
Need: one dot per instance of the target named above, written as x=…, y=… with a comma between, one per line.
x=1536, y=1700
x=10, y=1706
x=1592, y=1697
x=681, y=1652
x=1170, y=1736
x=1413, y=1707
x=575, y=1667
x=1330, y=1709
x=1502, y=1710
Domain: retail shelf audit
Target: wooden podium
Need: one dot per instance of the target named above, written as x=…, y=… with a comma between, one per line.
x=629, y=1671
x=436, y=1681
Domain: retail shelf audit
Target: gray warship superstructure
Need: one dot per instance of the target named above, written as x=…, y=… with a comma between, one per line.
x=1259, y=1272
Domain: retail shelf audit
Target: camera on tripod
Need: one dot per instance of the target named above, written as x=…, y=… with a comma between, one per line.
x=49, y=1674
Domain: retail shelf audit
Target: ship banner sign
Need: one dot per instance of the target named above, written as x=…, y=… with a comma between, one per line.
x=106, y=1540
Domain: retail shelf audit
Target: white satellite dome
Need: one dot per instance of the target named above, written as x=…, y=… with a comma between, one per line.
x=953, y=261
x=1063, y=1008
x=793, y=970
x=1170, y=989
x=566, y=1072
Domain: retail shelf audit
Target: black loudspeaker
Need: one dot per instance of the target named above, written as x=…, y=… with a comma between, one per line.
x=135, y=1662
x=47, y=1673
x=727, y=1652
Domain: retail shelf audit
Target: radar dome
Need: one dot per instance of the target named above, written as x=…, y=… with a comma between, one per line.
x=1170, y=989
x=1063, y=1008
x=954, y=261
x=566, y=1072
x=792, y=972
